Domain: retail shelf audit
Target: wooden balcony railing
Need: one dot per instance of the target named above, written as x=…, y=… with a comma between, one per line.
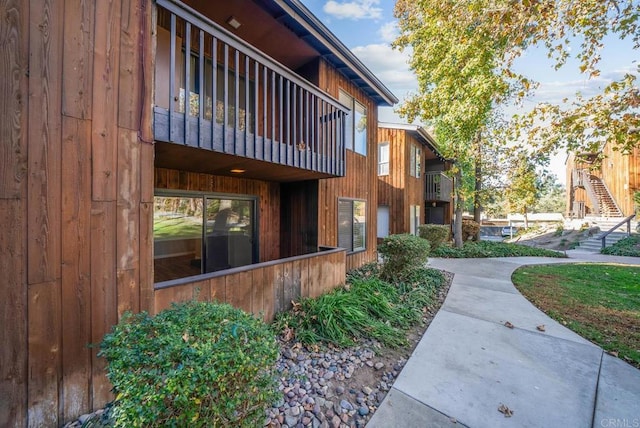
x=216, y=92
x=438, y=187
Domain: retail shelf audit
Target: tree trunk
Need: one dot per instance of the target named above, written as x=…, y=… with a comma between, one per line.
x=457, y=223
x=477, y=206
x=526, y=219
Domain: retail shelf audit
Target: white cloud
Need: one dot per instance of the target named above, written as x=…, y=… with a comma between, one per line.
x=388, y=32
x=389, y=65
x=355, y=9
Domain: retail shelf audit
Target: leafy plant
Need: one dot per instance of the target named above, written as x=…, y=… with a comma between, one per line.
x=366, y=308
x=493, y=249
x=629, y=246
x=402, y=254
x=436, y=234
x=195, y=364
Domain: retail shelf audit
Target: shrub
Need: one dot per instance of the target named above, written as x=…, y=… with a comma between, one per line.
x=436, y=234
x=195, y=364
x=629, y=246
x=401, y=254
x=493, y=249
x=470, y=229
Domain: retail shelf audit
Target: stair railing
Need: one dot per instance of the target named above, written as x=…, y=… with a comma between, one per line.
x=615, y=203
x=626, y=220
x=591, y=193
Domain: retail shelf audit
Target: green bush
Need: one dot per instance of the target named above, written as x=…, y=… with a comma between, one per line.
x=470, y=229
x=493, y=249
x=195, y=364
x=436, y=234
x=401, y=254
x=629, y=246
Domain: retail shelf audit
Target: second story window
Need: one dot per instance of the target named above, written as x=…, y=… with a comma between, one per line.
x=415, y=161
x=383, y=158
x=355, y=124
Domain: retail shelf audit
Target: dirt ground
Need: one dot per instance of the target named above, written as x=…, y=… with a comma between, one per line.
x=551, y=238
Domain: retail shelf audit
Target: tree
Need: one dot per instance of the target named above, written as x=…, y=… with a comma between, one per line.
x=463, y=54
x=523, y=190
x=460, y=77
x=552, y=196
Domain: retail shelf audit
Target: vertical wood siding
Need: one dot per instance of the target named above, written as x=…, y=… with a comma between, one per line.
x=71, y=197
x=360, y=181
x=263, y=289
x=621, y=174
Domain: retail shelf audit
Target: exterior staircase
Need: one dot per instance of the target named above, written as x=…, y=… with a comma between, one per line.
x=594, y=244
x=606, y=203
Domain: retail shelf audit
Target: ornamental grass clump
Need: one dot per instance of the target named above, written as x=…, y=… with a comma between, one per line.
x=401, y=255
x=196, y=364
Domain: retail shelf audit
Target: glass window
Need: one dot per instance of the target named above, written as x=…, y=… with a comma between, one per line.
x=415, y=161
x=414, y=219
x=202, y=233
x=360, y=129
x=355, y=128
x=383, y=158
x=352, y=224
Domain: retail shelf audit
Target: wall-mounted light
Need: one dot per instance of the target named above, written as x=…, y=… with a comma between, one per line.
x=237, y=171
x=233, y=22
x=433, y=204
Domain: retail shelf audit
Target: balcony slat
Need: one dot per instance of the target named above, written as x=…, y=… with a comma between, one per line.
x=202, y=86
x=187, y=81
x=225, y=97
x=172, y=77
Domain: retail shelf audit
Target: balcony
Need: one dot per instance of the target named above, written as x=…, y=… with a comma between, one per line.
x=227, y=97
x=438, y=187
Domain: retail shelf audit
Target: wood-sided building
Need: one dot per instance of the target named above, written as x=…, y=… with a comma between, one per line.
x=413, y=188
x=157, y=151
x=605, y=188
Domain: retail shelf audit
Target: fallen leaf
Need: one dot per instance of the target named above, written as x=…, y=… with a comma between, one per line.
x=288, y=334
x=185, y=337
x=541, y=327
x=508, y=324
x=614, y=353
x=507, y=412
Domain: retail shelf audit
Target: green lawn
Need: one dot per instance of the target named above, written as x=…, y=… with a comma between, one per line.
x=177, y=227
x=600, y=302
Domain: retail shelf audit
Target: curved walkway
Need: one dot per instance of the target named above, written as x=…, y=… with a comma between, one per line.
x=468, y=363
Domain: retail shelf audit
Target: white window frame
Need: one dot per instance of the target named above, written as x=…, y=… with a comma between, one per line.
x=415, y=163
x=357, y=113
x=384, y=161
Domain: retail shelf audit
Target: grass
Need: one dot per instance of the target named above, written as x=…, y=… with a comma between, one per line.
x=600, y=302
x=629, y=246
x=365, y=308
x=492, y=249
x=177, y=227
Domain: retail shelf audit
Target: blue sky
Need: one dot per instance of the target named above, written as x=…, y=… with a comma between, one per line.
x=367, y=27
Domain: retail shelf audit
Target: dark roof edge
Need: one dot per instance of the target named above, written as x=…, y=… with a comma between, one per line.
x=419, y=132
x=300, y=12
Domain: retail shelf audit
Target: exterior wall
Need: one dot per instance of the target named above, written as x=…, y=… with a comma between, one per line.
x=621, y=174
x=76, y=193
x=360, y=181
x=268, y=194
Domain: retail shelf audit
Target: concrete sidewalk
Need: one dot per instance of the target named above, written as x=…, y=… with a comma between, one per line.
x=468, y=363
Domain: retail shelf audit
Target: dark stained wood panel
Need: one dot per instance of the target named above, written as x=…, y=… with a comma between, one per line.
x=45, y=72
x=45, y=345
x=106, y=65
x=76, y=267
x=13, y=314
x=104, y=312
x=77, y=73
x=131, y=77
x=14, y=44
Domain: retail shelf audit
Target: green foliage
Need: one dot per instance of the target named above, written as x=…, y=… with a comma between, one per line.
x=366, y=308
x=436, y=234
x=523, y=189
x=482, y=249
x=629, y=246
x=196, y=364
x=401, y=254
x=470, y=229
